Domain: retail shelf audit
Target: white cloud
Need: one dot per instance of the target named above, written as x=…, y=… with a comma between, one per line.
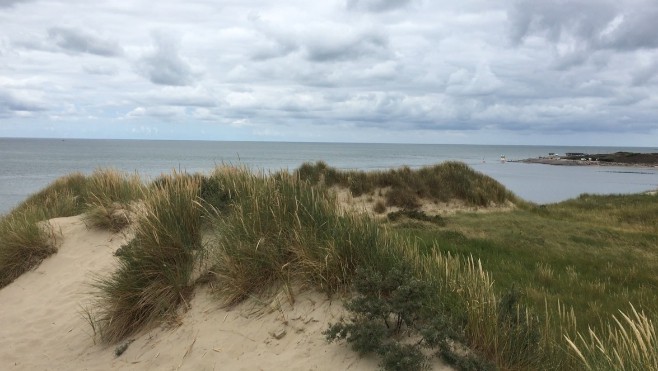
x=335, y=69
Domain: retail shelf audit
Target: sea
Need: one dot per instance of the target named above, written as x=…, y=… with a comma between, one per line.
x=28, y=165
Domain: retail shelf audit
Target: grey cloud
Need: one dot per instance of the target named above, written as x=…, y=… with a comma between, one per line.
x=79, y=41
x=589, y=25
x=164, y=66
x=324, y=42
x=320, y=45
x=644, y=74
x=11, y=3
x=554, y=19
x=483, y=81
x=636, y=29
x=376, y=5
x=12, y=103
x=348, y=47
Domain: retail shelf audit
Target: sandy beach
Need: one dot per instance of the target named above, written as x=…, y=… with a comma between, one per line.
x=44, y=328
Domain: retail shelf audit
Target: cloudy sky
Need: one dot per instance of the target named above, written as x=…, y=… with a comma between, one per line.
x=416, y=71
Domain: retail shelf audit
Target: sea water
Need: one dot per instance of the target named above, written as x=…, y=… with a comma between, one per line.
x=28, y=165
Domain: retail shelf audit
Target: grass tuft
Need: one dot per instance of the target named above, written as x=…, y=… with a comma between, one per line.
x=24, y=242
x=108, y=198
x=280, y=230
x=63, y=197
x=154, y=274
x=629, y=343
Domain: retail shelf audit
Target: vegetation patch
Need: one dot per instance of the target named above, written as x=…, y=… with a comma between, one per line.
x=24, y=242
x=443, y=182
x=415, y=215
x=154, y=274
x=108, y=199
x=25, y=236
x=63, y=197
x=280, y=230
x=630, y=343
x=390, y=317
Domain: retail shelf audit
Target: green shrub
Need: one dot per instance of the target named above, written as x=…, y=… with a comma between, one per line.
x=391, y=308
x=387, y=305
x=402, y=357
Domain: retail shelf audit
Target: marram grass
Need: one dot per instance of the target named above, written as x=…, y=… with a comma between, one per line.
x=628, y=343
x=108, y=199
x=405, y=187
x=25, y=240
x=63, y=197
x=154, y=274
x=25, y=236
x=280, y=230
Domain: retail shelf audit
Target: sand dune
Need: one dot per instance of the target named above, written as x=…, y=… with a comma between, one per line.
x=42, y=326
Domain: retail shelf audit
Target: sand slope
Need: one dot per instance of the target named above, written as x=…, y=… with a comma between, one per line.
x=42, y=328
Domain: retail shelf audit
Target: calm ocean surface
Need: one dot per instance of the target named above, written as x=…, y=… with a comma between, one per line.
x=27, y=165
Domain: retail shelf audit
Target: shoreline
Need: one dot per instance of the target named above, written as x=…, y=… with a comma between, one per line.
x=620, y=159
x=567, y=162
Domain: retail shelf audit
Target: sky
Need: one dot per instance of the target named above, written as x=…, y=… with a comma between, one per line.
x=566, y=72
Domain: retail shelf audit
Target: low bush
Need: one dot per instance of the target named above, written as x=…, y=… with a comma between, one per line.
x=393, y=317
